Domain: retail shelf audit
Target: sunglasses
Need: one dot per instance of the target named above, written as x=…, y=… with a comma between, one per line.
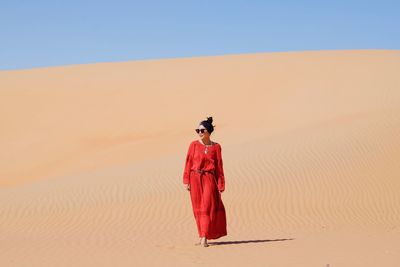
x=200, y=130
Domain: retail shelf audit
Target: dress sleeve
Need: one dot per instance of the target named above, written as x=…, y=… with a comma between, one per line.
x=220, y=170
x=188, y=165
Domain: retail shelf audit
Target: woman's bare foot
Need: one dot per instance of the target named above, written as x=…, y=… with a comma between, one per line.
x=203, y=242
x=198, y=243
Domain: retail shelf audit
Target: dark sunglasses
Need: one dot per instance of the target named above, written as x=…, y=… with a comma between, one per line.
x=200, y=130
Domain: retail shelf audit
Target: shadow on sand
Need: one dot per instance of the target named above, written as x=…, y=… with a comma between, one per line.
x=247, y=241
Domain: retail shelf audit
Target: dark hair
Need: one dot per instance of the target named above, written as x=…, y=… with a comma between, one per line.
x=208, y=124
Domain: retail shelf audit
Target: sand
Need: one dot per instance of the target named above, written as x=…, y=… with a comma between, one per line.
x=92, y=158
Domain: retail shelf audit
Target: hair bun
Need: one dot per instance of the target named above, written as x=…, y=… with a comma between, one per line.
x=210, y=119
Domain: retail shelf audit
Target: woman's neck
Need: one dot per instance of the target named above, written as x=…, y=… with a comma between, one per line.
x=206, y=141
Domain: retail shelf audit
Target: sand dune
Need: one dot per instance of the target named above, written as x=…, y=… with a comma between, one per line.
x=92, y=160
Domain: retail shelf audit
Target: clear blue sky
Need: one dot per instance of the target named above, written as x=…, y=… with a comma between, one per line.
x=49, y=33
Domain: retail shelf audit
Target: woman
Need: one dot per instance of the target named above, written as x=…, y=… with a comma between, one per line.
x=204, y=178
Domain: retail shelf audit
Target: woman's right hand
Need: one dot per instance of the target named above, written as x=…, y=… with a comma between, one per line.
x=187, y=186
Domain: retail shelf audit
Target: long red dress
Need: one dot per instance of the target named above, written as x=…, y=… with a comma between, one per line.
x=204, y=171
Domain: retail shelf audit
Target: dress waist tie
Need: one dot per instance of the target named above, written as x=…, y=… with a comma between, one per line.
x=201, y=177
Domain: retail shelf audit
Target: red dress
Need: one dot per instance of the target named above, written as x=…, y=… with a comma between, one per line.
x=204, y=171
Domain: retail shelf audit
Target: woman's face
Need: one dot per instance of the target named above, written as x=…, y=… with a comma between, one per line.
x=203, y=134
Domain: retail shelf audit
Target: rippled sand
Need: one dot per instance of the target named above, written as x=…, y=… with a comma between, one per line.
x=92, y=157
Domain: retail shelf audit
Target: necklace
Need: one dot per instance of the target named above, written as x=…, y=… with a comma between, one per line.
x=205, y=150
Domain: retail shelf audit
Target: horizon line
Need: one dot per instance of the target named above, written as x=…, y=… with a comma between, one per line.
x=193, y=57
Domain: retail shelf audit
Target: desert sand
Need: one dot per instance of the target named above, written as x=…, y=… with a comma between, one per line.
x=92, y=158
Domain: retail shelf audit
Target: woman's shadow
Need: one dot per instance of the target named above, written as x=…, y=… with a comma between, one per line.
x=247, y=241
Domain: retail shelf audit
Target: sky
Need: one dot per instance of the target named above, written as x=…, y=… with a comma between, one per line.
x=45, y=33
